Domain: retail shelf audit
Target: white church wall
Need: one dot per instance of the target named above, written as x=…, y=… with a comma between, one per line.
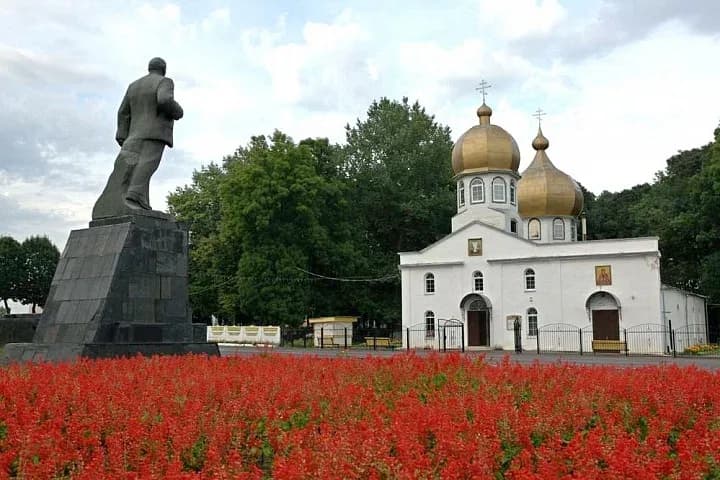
x=565, y=279
x=683, y=308
x=485, y=215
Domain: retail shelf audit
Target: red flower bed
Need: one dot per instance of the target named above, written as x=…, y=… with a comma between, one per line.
x=273, y=416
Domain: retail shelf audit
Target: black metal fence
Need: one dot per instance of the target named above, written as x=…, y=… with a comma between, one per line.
x=449, y=335
x=446, y=336
x=645, y=339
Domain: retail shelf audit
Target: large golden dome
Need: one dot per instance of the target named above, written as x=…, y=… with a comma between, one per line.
x=544, y=190
x=485, y=147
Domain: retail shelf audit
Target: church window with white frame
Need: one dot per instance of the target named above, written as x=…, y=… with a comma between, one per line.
x=512, y=192
x=429, y=324
x=478, y=281
x=461, y=193
x=532, y=321
x=534, y=229
x=529, y=279
x=498, y=190
x=558, y=229
x=477, y=190
x=429, y=283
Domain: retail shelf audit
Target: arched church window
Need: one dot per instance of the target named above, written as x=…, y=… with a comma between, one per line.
x=429, y=283
x=461, y=193
x=512, y=192
x=478, y=282
x=558, y=229
x=529, y=279
x=498, y=190
x=534, y=229
x=532, y=321
x=429, y=324
x=477, y=191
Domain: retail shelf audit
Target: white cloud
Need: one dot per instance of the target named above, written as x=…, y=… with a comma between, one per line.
x=325, y=71
x=514, y=19
x=216, y=19
x=626, y=84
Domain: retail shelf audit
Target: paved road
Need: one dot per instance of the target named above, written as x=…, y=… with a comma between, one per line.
x=711, y=363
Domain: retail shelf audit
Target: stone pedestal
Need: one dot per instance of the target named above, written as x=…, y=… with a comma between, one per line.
x=120, y=288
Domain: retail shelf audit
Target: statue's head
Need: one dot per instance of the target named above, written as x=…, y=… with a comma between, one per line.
x=157, y=65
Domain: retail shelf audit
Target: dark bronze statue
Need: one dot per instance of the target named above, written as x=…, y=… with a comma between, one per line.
x=145, y=127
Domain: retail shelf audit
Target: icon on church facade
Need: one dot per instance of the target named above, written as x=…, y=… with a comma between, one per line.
x=603, y=275
x=474, y=246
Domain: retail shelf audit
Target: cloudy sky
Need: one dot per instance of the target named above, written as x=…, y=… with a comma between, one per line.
x=625, y=83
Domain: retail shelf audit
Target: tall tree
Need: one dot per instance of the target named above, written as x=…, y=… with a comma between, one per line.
x=40, y=259
x=672, y=210
x=707, y=189
x=11, y=270
x=198, y=205
x=283, y=208
x=398, y=163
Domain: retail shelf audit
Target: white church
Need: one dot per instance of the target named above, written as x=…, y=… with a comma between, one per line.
x=513, y=255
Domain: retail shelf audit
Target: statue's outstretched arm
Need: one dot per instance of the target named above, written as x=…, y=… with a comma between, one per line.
x=166, y=101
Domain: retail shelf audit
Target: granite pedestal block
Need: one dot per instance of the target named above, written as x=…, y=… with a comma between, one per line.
x=120, y=288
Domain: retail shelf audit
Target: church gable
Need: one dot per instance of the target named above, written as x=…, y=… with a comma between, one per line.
x=471, y=241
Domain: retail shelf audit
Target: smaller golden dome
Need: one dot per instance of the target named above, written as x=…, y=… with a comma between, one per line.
x=485, y=147
x=544, y=190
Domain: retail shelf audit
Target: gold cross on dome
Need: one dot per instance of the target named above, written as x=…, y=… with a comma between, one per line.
x=482, y=87
x=539, y=114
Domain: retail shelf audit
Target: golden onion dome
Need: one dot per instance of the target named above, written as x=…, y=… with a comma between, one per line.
x=485, y=147
x=544, y=190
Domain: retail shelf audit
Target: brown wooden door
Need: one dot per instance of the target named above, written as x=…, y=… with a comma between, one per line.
x=478, y=330
x=606, y=325
x=473, y=329
x=484, y=329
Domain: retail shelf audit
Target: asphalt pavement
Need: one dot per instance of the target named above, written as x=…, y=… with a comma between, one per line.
x=491, y=356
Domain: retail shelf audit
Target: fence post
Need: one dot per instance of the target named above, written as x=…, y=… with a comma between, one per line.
x=407, y=337
x=627, y=350
x=322, y=337
x=537, y=340
x=345, y=336
x=444, y=339
x=581, y=347
x=672, y=342
x=305, y=339
x=374, y=338
x=462, y=338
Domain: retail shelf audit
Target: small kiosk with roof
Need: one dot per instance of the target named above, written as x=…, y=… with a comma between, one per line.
x=332, y=331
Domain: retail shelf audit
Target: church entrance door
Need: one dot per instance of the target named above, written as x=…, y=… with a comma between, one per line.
x=478, y=329
x=606, y=325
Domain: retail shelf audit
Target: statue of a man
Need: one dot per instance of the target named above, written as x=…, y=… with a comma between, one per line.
x=145, y=127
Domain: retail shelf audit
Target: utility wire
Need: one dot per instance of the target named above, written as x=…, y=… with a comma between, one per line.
x=351, y=279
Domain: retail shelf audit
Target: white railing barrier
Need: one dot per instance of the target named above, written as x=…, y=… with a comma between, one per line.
x=244, y=335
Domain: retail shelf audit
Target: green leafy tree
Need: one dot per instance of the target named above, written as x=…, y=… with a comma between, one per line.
x=707, y=190
x=673, y=210
x=282, y=206
x=39, y=260
x=398, y=163
x=198, y=205
x=11, y=270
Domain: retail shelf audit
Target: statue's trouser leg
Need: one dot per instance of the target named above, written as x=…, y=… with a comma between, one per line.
x=150, y=152
x=110, y=203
